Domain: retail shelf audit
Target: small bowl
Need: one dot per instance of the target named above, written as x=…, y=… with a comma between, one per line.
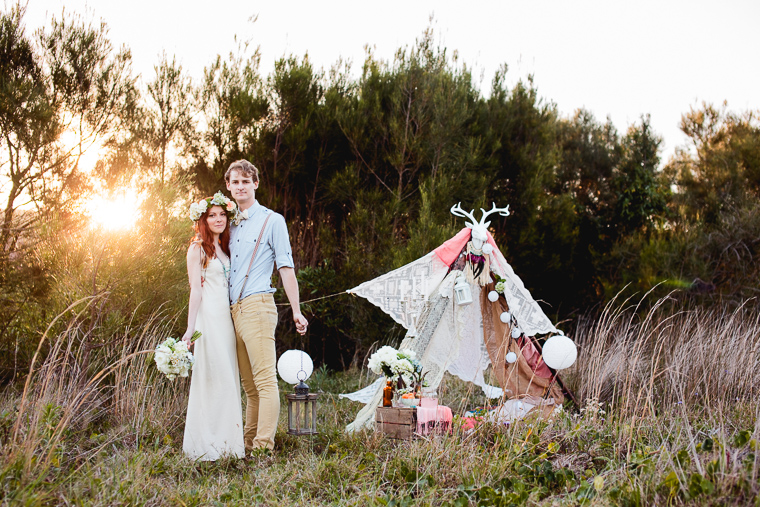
x=409, y=402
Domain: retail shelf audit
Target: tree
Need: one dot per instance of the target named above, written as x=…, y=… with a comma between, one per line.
x=233, y=106
x=60, y=94
x=642, y=193
x=169, y=118
x=719, y=169
x=590, y=155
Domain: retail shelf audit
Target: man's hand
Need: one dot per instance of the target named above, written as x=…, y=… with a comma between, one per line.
x=290, y=284
x=301, y=323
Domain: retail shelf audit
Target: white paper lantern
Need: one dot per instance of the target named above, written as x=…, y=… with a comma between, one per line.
x=516, y=332
x=493, y=296
x=559, y=352
x=294, y=366
x=487, y=249
x=511, y=357
x=505, y=317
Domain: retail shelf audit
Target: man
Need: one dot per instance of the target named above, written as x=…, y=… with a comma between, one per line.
x=252, y=301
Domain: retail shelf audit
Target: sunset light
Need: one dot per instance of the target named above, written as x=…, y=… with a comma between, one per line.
x=114, y=213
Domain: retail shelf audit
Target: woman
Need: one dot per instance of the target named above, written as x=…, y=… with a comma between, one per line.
x=214, y=425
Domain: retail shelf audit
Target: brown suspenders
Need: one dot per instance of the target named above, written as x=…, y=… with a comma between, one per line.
x=253, y=256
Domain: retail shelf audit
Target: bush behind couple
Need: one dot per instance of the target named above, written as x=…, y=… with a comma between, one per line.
x=232, y=304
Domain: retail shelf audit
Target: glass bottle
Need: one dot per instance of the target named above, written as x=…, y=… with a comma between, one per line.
x=388, y=394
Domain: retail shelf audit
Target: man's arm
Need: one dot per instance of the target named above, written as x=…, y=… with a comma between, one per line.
x=290, y=284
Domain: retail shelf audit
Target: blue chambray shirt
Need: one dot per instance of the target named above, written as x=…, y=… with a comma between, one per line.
x=275, y=248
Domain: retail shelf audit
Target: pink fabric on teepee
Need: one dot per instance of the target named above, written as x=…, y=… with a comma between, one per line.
x=534, y=358
x=450, y=249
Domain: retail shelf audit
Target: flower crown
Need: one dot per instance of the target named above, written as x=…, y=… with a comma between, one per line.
x=199, y=208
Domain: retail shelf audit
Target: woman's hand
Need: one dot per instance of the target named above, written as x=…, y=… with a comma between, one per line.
x=188, y=338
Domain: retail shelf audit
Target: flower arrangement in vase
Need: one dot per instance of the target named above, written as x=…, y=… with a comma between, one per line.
x=402, y=368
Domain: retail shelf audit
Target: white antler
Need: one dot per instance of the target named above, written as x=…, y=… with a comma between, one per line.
x=459, y=212
x=502, y=211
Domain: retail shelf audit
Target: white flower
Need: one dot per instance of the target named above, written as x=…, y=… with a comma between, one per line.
x=173, y=358
x=408, y=354
x=197, y=209
x=500, y=287
x=219, y=199
x=384, y=356
x=487, y=249
x=403, y=366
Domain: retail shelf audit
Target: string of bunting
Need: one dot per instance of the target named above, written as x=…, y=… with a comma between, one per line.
x=316, y=299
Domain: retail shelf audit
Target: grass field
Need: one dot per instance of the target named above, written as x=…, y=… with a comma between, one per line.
x=668, y=415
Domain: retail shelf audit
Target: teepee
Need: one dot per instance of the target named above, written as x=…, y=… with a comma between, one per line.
x=496, y=327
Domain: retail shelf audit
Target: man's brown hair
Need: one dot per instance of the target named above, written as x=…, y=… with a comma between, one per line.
x=244, y=167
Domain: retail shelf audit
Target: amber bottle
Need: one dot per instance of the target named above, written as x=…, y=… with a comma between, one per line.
x=388, y=395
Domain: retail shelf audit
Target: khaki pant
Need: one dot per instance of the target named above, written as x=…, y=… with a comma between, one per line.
x=255, y=319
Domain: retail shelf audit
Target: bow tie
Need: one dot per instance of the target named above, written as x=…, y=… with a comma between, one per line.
x=243, y=215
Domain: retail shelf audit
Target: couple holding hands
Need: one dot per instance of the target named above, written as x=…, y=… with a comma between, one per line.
x=230, y=263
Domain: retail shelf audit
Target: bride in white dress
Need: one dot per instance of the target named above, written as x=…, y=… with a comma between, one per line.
x=214, y=424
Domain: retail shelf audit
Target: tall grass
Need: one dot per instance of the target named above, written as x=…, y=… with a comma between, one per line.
x=703, y=357
x=667, y=415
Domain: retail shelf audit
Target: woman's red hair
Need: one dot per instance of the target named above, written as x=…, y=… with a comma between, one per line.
x=205, y=237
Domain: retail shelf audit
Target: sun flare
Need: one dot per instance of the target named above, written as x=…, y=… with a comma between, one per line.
x=116, y=213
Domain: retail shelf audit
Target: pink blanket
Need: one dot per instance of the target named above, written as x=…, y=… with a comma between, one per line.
x=431, y=419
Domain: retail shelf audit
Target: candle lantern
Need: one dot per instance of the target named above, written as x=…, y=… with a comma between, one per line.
x=462, y=291
x=295, y=367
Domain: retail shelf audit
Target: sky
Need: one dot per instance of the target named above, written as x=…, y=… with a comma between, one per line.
x=616, y=59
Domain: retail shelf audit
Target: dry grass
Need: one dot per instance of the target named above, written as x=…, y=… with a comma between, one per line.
x=668, y=416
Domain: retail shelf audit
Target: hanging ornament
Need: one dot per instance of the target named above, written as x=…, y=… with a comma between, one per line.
x=294, y=366
x=516, y=332
x=462, y=291
x=493, y=296
x=511, y=357
x=559, y=352
x=487, y=249
x=505, y=317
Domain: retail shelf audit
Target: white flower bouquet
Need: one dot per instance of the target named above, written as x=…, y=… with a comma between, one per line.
x=400, y=366
x=173, y=358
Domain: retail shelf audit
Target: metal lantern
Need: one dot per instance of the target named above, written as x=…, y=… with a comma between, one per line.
x=462, y=291
x=302, y=405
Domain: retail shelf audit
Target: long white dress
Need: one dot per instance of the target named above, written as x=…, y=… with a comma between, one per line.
x=214, y=424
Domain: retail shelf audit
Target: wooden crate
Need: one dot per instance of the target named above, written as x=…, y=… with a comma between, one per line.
x=396, y=422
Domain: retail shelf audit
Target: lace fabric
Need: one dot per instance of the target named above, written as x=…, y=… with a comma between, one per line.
x=403, y=292
x=445, y=341
x=445, y=336
x=530, y=317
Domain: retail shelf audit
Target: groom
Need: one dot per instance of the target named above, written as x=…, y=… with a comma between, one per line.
x=263, y=233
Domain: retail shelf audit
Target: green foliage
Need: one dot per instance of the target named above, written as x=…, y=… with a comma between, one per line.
x=719, y=170
x=642, y=194
x=364, y=170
